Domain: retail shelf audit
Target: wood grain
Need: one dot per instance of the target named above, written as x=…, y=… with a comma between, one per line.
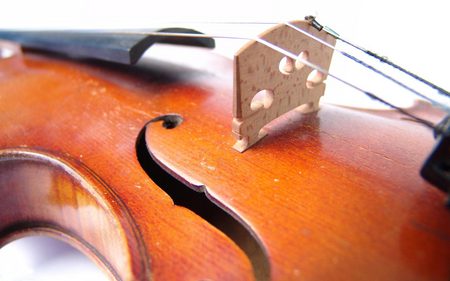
x=257, y=69
x=43, y=194
x=332, y=195
x=63, y=109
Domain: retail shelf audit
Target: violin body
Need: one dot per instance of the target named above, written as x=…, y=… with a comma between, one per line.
x=329, y=195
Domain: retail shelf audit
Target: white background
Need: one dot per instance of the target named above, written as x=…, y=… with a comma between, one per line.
x=411, y=33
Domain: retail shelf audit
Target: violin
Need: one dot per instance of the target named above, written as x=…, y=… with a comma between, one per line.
x=191, y=166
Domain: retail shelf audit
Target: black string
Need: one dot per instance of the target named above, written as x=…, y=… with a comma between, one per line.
x=312, y=20
x=401, y=110
x=390, y=78
x=318, y=26
x=398, y=67
x=285, y=52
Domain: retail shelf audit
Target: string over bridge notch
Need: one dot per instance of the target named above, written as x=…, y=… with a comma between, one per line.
x=281, y=82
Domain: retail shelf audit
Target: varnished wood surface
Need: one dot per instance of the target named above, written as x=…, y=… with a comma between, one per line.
x=57, y=108
x=331, y=196
x=326, y=201
x=47, y=195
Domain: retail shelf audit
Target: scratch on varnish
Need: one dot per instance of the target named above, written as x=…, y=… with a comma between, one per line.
x=138, y=111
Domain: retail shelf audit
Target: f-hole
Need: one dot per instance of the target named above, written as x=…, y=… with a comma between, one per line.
x=199, y=203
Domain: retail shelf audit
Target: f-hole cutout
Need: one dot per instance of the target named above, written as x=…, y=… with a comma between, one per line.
x=169, y=121
x=262, y=99
x=200, y=204
x=48, y=258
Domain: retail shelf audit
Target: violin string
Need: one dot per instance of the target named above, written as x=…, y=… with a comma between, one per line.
x=368, y=66
x=382, y=59
x=319, y=27
x=302, y=60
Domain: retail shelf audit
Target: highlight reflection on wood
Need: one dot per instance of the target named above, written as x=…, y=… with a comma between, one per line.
x=333, y=195
x=42, y=194
x=71, y=111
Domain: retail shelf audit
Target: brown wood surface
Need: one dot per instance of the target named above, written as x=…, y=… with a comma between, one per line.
x=44, y=193
x=333, y=195
x=57, y=108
